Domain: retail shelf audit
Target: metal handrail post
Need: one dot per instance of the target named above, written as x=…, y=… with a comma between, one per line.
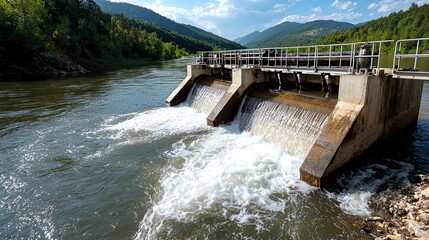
x=399, y=59
x=316, y=59
x=417, y=55
x=308, y=56
x=379, y=57
x=352, y=59
x=286, y=57
x=372, y=55
x=394, y=56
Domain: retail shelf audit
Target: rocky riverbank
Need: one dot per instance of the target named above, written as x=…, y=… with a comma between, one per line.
x=67, y=69
x=37, y=71
x=403, y=214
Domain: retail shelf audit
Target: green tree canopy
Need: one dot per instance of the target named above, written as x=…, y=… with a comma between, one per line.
x=35, y=34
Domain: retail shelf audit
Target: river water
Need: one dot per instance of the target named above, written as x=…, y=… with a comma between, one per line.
x=100, y=157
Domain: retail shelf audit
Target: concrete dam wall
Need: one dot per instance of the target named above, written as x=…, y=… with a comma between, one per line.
x=327, y=132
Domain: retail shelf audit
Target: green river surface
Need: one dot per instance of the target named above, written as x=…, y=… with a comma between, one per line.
x=101, y=157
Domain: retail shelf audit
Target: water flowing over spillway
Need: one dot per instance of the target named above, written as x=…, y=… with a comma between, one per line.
x=295, y=129
x=204, y=98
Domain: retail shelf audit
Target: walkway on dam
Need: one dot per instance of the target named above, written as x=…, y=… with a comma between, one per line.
x=410, y=59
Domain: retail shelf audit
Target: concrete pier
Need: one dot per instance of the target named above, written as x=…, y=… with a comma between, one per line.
x=226, y=109
x=181, y=92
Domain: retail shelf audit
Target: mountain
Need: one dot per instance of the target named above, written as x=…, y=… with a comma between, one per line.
x=294, y=34
x=144, y=14
x=273, y=33
x=413, y=23
x=248, y=38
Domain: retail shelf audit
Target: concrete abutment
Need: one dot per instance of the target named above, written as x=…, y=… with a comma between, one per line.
x=369, y=110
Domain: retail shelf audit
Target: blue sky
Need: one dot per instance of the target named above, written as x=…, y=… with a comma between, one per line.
x=235, y=18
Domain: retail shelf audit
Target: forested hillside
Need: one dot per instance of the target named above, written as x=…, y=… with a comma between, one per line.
x=193, y=34
x=46, y=37
x=413, y=23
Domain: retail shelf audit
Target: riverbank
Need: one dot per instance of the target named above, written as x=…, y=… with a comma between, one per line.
x=402, y=214
x=39, y=70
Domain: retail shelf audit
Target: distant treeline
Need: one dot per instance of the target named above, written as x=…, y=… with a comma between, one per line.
x=37, y=35
x=413, y=23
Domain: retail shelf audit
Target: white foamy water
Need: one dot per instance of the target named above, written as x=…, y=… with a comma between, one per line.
x=230, y=174
x=161, y=122
x=145, y=127
x=236, y=175
x=293, y=128
x=156, y=123
x=362, y=184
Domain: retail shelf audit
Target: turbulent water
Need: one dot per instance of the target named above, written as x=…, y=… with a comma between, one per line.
x=101, y=157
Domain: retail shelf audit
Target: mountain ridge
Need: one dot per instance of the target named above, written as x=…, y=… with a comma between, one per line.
x=293, y=33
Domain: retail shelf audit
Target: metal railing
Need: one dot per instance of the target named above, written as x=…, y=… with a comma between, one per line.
x=337, y=57
x=344, y=58
x=408, y=56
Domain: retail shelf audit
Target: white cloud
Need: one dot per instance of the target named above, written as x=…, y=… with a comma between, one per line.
x=203, y=16
x=316, y=10
x=342, y=16
x=372, y=5
x=391, y=5
x=209, y=26
x=220, y=9
x=167, y=11
x=295, y=18
x=312, y=17
x=283, y=7
x=421, y=2
x=277, y=8
x=345, y=5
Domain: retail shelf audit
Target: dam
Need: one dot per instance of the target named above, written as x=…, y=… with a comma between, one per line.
x=328, y=103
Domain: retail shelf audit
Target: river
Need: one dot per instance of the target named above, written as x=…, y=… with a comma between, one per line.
x=101, y=157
